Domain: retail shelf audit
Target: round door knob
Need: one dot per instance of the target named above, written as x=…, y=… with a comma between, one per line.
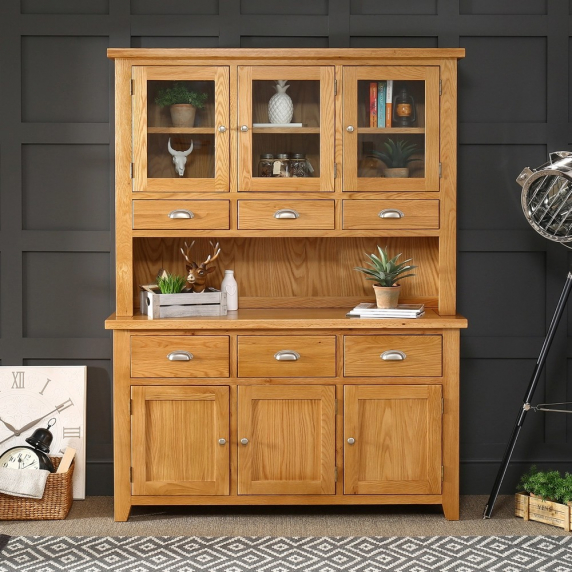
x=222, y=441
x=244, y=441
x=244, y=128
x=350, y=128
x=222, y=129
x=351, y=440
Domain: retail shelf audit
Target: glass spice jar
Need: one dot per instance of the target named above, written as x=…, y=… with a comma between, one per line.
x=298, y=165
x=265, y=165
x=281, y=166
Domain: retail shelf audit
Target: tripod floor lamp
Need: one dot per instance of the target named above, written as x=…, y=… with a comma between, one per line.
x=547, y=204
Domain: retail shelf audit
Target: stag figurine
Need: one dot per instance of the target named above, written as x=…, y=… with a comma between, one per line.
x=180, y=158
x=197, y=273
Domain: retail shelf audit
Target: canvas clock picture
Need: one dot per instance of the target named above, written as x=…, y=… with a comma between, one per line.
x=33, y=397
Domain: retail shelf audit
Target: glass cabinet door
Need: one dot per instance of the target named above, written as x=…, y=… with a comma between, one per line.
x=181, y=146
x=286, y=128
x=391, y=128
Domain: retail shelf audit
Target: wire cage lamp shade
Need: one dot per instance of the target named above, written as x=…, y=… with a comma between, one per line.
x=547, y=197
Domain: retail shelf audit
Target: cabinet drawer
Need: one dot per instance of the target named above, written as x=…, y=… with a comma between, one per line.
x=285, y=214
x=286, y=356
x=180, y=214
x=392, y=356
x=179, y=356
x=398, y=214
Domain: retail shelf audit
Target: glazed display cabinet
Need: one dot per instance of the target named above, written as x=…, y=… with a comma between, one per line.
x=287, y=401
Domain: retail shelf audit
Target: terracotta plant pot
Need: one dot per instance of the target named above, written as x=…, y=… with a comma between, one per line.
x=183, y=114
x=387, y=297
x=400, y=173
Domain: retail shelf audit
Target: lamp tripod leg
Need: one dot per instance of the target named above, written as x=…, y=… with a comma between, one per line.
x=521, y=416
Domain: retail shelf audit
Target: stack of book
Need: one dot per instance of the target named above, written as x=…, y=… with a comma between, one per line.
x=370, y=310
x=380, y=103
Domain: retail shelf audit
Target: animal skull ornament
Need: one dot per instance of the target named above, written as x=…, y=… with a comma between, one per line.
x=180, y=158
x=197, y=273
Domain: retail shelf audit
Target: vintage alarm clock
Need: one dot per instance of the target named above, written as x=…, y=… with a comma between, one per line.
x=34, y=457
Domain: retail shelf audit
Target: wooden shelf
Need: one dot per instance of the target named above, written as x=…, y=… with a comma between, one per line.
x=391, y=130
x=182, y=130
x=287, y=130
x=280, y=319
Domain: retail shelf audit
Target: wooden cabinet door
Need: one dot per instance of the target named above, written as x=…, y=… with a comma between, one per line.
x=176, y=440
x=308, y=132
x=392, y=439
x=364, y=136
x=206, y=167
x=286, y=440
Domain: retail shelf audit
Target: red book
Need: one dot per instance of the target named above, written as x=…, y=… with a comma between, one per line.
x=373, y=104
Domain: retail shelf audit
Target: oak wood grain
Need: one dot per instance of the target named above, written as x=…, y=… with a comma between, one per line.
x=256, y=356
x=291, y=437
x=149, y=356
x=181, y=453
x=362, y=356
x=366, y=214
x=257, y=214
x=397, y=439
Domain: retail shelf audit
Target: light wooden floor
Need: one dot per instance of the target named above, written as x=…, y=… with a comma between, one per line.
x=93, y=517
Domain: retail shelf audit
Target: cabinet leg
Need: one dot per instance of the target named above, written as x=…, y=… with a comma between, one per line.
x=121, y=511
x=451, y=508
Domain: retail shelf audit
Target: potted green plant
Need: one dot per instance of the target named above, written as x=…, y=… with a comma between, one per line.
x=396, y=155
x=385, y=272
x=182, y=102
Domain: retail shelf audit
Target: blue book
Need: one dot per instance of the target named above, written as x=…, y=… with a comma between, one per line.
x=381, y=96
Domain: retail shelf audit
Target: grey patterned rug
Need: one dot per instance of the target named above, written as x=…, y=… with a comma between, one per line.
x=270, y=554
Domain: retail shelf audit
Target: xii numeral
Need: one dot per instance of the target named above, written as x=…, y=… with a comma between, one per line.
x=18, y=382
x=71, y=432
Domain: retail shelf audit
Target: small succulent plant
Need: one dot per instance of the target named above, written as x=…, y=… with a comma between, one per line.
x=180, y=93
x=397, y=154
x=385, y=271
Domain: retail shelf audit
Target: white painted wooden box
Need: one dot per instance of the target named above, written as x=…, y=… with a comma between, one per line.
x=211, y=302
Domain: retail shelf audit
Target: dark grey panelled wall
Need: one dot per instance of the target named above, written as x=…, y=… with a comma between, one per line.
x=56, y=184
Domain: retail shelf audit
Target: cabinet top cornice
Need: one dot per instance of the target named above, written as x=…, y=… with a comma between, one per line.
x=286, y=53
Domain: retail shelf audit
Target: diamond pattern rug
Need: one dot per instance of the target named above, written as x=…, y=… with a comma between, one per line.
x=270, y=554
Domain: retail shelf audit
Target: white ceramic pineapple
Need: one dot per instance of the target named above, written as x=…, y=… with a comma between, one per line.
x=280, y=106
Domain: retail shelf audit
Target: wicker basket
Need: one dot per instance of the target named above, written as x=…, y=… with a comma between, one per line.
x=54, y=505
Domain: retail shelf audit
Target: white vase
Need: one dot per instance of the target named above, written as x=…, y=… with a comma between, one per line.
x=280, y=107
x=230, y=286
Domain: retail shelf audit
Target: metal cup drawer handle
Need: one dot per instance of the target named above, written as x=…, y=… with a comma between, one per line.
x=287, y=355
x=286, y=213
x=181, y=213
x=180, y=355
x=393, y=355
x=391, y=213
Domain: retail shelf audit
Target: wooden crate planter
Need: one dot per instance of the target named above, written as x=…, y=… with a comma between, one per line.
x=211, y=302
x=548, y=512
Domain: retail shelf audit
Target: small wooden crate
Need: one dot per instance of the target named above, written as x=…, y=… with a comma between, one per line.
x=548, y=512
x=54, y=505
x=211, y=302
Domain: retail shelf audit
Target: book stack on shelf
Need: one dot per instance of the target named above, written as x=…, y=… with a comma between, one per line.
x=380, y=103
x=370, y=310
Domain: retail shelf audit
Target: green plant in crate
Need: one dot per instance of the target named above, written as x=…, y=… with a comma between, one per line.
x=179, y=93
x=171, y=283
x=548, y=485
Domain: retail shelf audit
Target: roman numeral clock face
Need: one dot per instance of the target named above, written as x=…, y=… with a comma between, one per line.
x=31, y=396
